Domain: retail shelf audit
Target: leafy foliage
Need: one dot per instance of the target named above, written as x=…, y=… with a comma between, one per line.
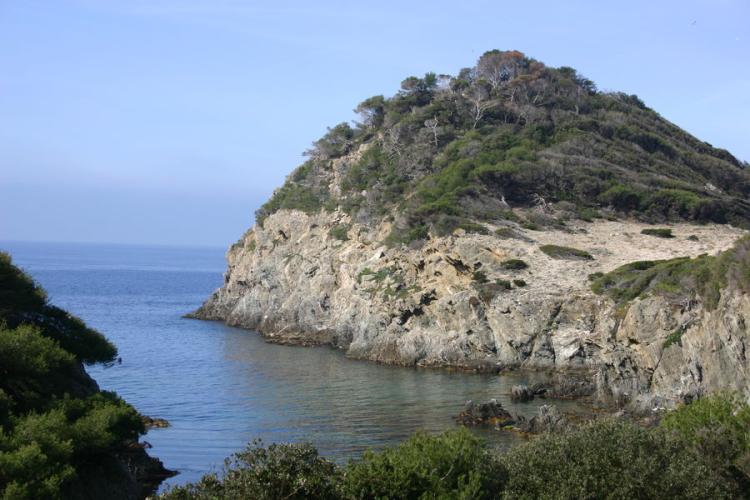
x=610, y=459
x=340, y=232
x=698, y=452
x=452, y=465
x=278, y=471
x=56, y=428
x=447, y=151
x=717, y=427
x=560, y=252
x=24, y=301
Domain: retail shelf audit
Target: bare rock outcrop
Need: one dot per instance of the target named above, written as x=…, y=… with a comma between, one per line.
x=325, y=279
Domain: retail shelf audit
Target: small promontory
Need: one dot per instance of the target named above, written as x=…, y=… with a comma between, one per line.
x=509, y=217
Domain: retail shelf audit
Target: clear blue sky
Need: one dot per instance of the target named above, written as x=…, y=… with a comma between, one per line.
x=171, y=121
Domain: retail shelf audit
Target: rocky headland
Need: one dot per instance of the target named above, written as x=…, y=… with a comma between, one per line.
x=523, y=222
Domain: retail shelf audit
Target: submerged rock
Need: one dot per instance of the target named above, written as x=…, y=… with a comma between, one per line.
x=521, y=393
x=484, y=413
x=547, y=419
x=150, y=422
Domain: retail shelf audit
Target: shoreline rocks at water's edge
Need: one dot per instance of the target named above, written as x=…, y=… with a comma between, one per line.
x=295, y=285
x=491, y=413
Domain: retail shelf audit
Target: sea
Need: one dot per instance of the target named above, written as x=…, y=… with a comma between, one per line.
x=223, y=388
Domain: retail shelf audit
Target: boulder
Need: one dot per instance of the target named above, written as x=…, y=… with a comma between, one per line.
x=521, y=393
x=484, y=413
x=547, y=419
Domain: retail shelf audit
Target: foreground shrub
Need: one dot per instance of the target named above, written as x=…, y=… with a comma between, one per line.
x=718, y=428
x=610, y=459
x=452, y=465
x=289, y=471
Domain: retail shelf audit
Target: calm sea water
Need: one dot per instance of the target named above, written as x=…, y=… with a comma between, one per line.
x=222, y=387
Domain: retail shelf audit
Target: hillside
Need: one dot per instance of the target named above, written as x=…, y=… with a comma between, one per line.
x=504, y=219
x=61, y=437
x=511, y=133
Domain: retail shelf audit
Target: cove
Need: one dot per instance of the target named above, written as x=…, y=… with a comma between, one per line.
x=222, y=387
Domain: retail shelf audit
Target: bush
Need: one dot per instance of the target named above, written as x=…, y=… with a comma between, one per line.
x=24, y=301
x=560, y=252
x=507, y=233
x=479, y=277
x=340, y=232
x=514, y=265
x=718, y=429
x=289, y=471
x=622, y=198
x=609, y=459
x=519, y=283
x=658, y=232
x=452, y=465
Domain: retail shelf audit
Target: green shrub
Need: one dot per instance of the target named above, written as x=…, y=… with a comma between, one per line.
x=340, y=232
x=610, y=459
x=519, y=283
x=507, y=233
x=292, y=196
x=658, y=232
x=56, y=431
x=514, y=264
x=289, y=471
x=24, y=301
x=622, y=198
x=717, y=427
x=400, y=236
x=675, y=337
x=560, y=252
x=479, y=277
x=503, y=284
x=451, y=465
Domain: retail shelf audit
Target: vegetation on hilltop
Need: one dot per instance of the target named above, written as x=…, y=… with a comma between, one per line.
x=700, y=450
x=512, y=133
x=58, y=432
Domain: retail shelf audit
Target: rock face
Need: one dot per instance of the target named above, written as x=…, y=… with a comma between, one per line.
x=485, y=413
x=324, y=279
x=547, y=419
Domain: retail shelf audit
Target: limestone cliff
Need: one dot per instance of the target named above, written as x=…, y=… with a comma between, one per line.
x=454, y=302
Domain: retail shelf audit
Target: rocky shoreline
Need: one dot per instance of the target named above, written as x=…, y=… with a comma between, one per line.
x=439, y=305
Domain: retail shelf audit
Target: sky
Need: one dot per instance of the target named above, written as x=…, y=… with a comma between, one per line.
x=171, y=121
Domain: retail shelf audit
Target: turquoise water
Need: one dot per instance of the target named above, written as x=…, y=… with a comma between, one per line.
x=222, y=387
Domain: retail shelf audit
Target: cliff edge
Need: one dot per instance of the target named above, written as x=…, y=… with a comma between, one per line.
x=510, y=217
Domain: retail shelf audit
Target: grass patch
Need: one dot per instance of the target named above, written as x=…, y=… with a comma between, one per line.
x=565, y=253
x=519, y=283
